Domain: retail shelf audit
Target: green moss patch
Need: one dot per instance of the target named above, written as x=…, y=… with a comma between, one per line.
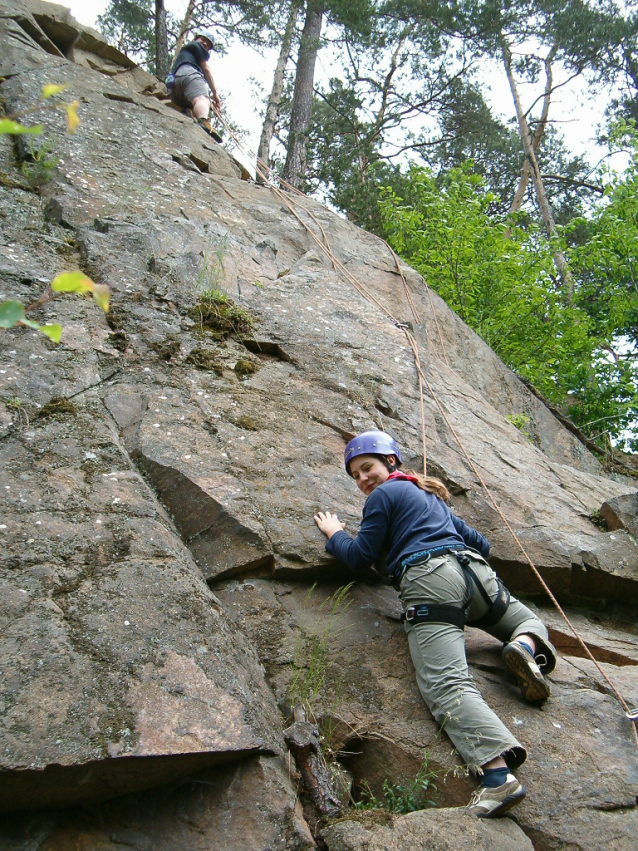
x=57, y=408
x=217, y=314
x=245, y=367
x=205, y=360
x=247, y=423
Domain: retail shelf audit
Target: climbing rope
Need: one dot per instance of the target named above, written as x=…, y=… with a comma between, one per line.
x=269, y=178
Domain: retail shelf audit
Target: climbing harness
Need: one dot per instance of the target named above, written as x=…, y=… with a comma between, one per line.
x=434, y=613
x=266, y=174
x=455, y=615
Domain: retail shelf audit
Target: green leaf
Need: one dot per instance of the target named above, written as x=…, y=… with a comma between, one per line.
x=12, y=128
x=78, y=282
x=53, y=332
x=11, y=312
x=72, y=282
x=51, y=89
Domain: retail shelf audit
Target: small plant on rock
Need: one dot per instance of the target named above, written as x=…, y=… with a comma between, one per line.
x=38, y=169
x=520, y=422
x=217, y=314
x=401, y=798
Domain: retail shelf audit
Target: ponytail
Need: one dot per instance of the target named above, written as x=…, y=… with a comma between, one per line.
x=425, y=483
x=430, y=484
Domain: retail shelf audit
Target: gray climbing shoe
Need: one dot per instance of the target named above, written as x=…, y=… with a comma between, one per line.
x=489, y=802
x=523, y=665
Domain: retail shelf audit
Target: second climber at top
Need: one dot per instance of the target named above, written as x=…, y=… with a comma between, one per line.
x=190, y=79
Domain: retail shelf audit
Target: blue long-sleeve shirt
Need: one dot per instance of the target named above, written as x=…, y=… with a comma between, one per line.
x=399, y=520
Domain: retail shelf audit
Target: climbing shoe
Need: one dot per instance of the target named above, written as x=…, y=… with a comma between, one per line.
x=520, y=661
x=488, y=802
x=205, y=123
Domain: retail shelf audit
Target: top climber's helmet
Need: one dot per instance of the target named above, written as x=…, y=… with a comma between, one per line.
x=371, y=443
x=209, y=35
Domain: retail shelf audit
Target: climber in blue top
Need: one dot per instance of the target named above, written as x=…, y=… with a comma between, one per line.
x=437, y=563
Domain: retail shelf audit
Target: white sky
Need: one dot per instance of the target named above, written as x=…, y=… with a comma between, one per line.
x=579, y=112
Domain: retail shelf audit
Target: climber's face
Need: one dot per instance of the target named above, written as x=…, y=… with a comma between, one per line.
x=368, y=472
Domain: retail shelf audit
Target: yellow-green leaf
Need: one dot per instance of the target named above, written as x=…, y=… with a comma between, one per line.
x=102, y=296
x=51, y=89
x=12, y=128
x=73, y=121
x=72, y=282
x=53, y=332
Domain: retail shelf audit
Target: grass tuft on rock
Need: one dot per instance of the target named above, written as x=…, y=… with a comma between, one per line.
x=217, y=314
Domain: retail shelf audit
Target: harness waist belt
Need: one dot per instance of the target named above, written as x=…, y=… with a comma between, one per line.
x=435, y=614
x=422, y=557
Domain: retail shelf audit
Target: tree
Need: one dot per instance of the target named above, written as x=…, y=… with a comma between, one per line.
x=301, y=111
x=274, y=101
x=162, y=66
x=606, y=265
x=129, y=25
x=579, y=351
x=393, y=79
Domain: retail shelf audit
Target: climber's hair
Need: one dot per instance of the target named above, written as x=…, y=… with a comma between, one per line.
x=426, y=483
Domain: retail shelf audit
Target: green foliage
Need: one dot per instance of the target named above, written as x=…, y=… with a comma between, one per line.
x=130, y=26
x=8, y=127
x=519, y=421
x=398, y=797
x=12, y=314
x=578, y=348
x=605, y=264
x=38, y=171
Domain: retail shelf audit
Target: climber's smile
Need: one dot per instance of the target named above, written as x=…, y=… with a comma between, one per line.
x=368, y=472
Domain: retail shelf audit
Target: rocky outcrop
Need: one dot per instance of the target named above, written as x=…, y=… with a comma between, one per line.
x=443, y=830
x=160, y=469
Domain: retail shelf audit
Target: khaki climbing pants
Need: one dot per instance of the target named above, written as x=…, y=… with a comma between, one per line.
x=438, y=654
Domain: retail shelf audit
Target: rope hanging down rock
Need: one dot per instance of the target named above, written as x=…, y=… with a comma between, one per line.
x=285, y=197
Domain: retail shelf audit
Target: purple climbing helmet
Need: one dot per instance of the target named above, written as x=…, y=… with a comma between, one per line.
x=371, y=443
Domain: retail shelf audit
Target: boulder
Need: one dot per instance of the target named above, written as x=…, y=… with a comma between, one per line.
x=436, y=830
x=199, y=813
x=621, y=512
x=119, y=669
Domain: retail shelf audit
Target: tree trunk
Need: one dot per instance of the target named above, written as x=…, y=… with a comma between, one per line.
x=161, y=41
x=526, y=172
x=188, y=17
x=272, y=111
x=530, y=156
x=295, y=167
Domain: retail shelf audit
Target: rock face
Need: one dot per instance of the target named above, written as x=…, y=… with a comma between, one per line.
x=160, y=469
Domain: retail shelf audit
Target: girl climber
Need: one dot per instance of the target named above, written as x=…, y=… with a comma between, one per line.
x=437, y=563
